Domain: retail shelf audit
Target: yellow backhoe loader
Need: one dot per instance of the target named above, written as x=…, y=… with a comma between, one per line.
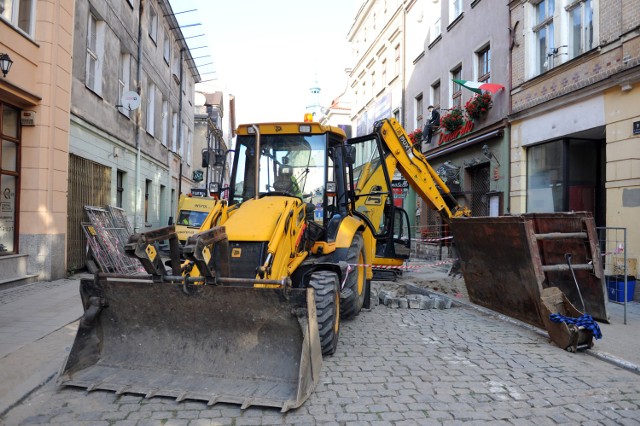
x=266, y=282
x=250, y=304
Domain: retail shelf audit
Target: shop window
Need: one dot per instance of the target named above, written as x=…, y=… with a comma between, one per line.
x=9, y=184
x=563, y=175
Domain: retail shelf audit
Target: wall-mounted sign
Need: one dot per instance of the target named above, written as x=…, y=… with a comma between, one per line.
x=28, y=118
x=636, y=127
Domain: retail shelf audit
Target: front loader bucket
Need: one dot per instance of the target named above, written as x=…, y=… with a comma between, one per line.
x=213, y=343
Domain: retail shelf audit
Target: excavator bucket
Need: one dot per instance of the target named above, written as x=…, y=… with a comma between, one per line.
x=233, y=344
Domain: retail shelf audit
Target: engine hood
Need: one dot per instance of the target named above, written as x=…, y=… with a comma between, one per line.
x=255, y=220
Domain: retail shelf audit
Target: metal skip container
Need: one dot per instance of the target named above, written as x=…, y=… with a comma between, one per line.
x=213, y=343
x=507, y=261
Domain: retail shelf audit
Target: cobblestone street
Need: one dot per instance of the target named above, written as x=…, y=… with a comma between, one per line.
x=397, y=366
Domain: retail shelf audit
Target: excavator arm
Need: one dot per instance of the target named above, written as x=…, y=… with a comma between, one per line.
x=415, y=168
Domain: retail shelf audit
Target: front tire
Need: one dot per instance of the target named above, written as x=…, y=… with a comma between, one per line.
x=355, y=285
x=326, y=291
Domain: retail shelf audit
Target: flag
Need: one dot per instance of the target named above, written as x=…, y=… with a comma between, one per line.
x=478, y=87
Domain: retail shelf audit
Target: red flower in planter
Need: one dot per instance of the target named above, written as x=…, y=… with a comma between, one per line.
x=452, y=120
x=478, y=106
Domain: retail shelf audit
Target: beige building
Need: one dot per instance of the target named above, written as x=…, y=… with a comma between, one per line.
x=575, y=121
x=34, y=100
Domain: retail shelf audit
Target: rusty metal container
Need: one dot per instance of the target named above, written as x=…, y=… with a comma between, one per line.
x=507, y=261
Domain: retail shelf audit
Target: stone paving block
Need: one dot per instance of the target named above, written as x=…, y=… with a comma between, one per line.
x=443, y=303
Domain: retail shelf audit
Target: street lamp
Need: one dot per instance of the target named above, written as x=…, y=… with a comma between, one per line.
x=5, y=64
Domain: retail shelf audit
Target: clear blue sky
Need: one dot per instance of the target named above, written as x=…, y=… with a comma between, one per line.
x=268, y=53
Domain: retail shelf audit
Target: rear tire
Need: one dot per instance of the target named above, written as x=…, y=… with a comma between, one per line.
x=327, y=295
x=355, y=285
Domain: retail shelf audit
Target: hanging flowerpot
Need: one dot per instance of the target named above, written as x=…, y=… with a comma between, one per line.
x=478, y=106
x=452, y=120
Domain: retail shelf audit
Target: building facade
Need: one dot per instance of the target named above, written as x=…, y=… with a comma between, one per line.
x=575, y=115
x=34, y=124
x=407, y=54
x=210, y=146
x=132, y=115
x=455, y=41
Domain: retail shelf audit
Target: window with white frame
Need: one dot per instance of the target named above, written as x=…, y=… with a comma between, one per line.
x=456, y=89
x=483, y=57
x=455, y=9
x=124, y=80
x=543, y=31
x=436, y=29
x=166, y=48
x=396, y=53
x=153, y=24
x=419, y=108
x=189, y=143
x=165, y=122
x=19, y=13
x=580, y=27
x=383, y=72
x=95, y=54
x=374, y=83
x=183, y=139
x=151, y=108
x=174, y=132
x=435, y=94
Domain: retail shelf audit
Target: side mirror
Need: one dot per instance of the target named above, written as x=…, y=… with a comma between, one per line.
x=350, y=154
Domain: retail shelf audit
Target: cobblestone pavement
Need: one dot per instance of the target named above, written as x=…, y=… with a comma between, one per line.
x=403, y=367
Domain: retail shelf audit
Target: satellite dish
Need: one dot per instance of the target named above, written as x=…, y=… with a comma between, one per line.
x=200, y=99
x=130, y=100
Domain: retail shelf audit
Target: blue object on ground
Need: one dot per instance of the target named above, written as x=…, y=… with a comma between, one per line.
x=585, y=321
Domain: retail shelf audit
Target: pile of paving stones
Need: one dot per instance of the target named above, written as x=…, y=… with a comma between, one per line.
x=409, y=298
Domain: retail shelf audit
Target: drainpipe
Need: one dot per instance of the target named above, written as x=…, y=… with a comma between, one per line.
x=138, y=113
x=179, y=135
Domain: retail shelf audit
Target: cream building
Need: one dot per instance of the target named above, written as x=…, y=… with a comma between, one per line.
x=34, y=99
x=575, y=122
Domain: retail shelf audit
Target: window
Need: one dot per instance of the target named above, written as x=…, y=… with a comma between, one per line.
x=419, y=105
x=147, y=193
x=151, y=108
x=166, y=48
x=456, y=89
x=165, y=122
x=174, y=132
x=435, y=95
x=124, y=79
x=119, y=188
x=20, y=14
x=396, y=52
x=374, y=83
x=455, y=9
x=396, y=114
x=95, y=54
x=183, y=139
x=581, y=28
x=153, y=24
x=484, y=65
x=543, y=31
x=189, y=143
x=436, y=29
x=384, y=73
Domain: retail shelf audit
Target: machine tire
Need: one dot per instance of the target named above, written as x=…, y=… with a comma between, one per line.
x=327, y=295
x=355, y=285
